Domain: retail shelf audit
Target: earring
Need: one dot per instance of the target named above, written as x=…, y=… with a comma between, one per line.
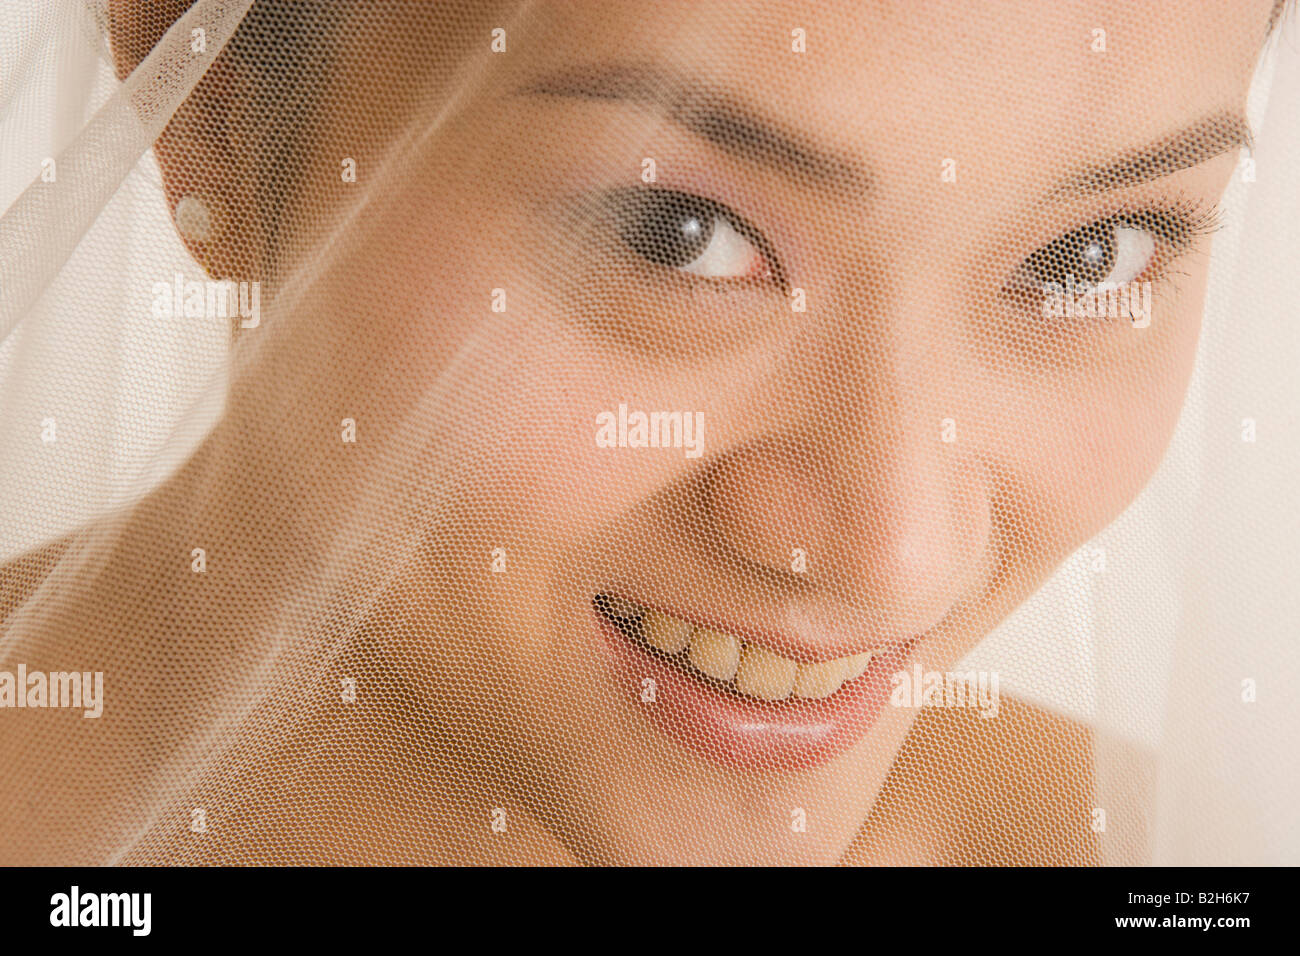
x=200, y=219
x=194, y=218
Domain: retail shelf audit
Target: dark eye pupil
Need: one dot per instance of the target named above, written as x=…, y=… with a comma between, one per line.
x=670, y=229
x=1087, y=255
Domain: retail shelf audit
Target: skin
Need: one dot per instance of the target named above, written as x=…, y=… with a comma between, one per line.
x=823, y=428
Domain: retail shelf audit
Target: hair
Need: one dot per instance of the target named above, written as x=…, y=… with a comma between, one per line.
x=1280, y=9
x=299, y=41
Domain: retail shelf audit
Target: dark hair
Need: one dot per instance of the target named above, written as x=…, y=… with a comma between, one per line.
x=1280, y=7
x=290, y=48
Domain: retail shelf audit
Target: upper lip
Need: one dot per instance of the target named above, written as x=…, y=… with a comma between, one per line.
x=797, y=643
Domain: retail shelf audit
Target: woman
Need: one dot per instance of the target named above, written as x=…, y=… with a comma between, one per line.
x=651, y=417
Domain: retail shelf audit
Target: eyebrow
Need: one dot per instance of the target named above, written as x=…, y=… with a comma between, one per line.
x=716, y=116
x=728, y=123
x=1208, y=137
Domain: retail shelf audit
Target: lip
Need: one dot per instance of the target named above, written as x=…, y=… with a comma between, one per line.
x=750, y=734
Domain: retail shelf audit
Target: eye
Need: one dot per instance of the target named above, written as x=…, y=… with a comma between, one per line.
x=1111, y=251
x=692, y=234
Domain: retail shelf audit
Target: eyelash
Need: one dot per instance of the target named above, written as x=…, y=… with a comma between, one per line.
x=1175, y=225
x=1190, y=218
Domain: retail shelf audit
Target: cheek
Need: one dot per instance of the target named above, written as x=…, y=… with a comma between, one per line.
x=1074, y=443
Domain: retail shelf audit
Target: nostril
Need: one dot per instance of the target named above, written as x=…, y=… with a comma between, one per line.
x=912, y=543
x=764, y=501
x=895, y=532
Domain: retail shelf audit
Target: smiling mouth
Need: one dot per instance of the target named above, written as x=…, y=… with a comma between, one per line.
x=727, y=663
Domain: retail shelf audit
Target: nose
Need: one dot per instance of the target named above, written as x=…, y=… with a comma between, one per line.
x=869, y=501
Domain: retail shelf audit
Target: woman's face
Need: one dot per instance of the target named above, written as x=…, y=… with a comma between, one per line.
x=891, y=468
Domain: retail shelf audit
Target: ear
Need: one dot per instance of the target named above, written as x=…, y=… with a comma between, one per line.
x=209, y=149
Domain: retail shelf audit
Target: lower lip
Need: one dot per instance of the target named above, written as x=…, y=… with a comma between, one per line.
x=750, y=734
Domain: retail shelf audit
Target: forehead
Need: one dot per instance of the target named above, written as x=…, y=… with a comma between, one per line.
x=1014, y=82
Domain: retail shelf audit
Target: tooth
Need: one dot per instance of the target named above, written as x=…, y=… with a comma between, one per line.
x=764, y=674
x=714, y=653
x=822, y=679
x=858, y=665
x=666, y=633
